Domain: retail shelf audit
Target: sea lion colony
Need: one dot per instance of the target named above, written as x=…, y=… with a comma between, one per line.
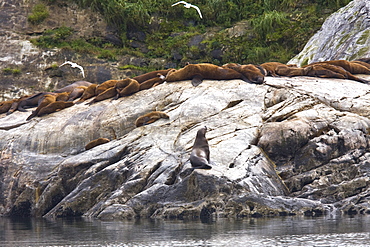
x=49, y=102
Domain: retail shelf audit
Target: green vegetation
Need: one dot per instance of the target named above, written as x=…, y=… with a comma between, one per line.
x=275, y=30
x=11, y=71
x=39, y=14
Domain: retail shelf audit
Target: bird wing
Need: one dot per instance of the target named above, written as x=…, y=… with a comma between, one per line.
x=82, y=70
x=196, y=7
x=67, y=62
x=179, y=3
x=75, y=65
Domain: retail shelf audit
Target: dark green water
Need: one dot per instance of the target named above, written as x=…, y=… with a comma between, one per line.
x=284, y=231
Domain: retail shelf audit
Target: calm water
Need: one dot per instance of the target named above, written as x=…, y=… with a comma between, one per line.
x=289, y=231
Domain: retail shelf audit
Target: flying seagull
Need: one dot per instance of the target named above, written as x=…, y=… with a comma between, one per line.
x=188, y=5
x=74, y=65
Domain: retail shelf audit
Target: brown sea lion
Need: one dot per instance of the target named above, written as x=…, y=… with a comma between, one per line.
x=367, y=65
x=273, y=67
x=251, y=73
x=88, y=93
x=96, y=142
x=284, y=70
x=104, y=86
x=53, y=107
x=324, y=70
x=77, y=93
x=198, y=72
x=29, y=102
x=107, y=94
x=14, y=106
x=152, y=82
x=353, y=68
x=47, y=99
x=199, y=157
x=72, y=86
x=5, y=105
x=154, y=74
x=364, y=59
x=150, y=117
x=127, y=87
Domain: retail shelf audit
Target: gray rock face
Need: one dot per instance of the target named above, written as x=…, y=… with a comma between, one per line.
x=292, y=146
x=344, y=35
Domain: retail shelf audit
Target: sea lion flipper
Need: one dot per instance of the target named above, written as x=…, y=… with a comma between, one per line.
x=197, y=80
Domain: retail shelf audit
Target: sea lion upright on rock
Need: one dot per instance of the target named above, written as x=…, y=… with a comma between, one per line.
x=199, y=157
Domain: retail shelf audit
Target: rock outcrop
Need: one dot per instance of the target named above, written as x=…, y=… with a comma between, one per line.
x=344, y=35
x=37, y=69
x=292, y=146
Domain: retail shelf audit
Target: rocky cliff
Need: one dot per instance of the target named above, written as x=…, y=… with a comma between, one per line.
x=344, y=35
x=25, y=69
x=292, y=146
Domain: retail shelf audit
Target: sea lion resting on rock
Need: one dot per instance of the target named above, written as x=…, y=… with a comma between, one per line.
x=276, y=69
x=198, y=72
x=121, y=88
x=28, y=102
x=72, y=86
x=199, y=157
x=150, y=117
x=96, y=142
x=325, y=70
x=77, y=93
x=10, y=106
x=353, y=68
x=49, y=98
x=88, y=93
x=150, y=75
x=127, y=87
x=252, y=73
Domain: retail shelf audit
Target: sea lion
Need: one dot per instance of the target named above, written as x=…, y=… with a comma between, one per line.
x=325, y=70
x=96, y=142
x=364, y=59
x=273, y=68
x=5, y=105
x=53, y=107
x=199, y=157
x=251, y=73
x=47, y=99
x=150, y=75
x=150, y=117
x=104, y=86
x=121, y=88
x=152, y=82
x=14, y=105
x=353, y=68
x=107, y=94
x=367, y=65
x=72, y=86
x=126, y=87
x=77, y=93
x=201, y=71
x=88, y=93
x=29, y=102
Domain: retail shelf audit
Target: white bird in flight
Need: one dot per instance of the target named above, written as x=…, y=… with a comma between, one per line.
x=74, y=65
x=188, y=5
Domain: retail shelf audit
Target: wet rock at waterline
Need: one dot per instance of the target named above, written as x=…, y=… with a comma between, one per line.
x=293, y=146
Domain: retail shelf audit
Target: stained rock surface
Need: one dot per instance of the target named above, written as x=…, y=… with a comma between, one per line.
x=291, y=146
x=344, y=35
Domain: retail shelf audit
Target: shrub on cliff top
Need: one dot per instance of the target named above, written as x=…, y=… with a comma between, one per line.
x=39, y=14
